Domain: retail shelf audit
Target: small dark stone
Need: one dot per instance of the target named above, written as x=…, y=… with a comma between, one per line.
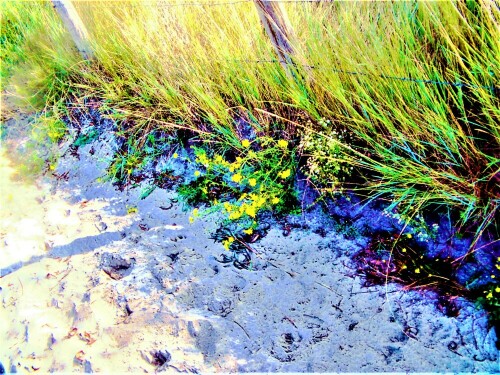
x=144, y=227
x=87, y=367
x=52, y=340
x=221, y=307
x=2, y=369
x=288, y=337
x=115, y=266
x=411, y=332
x=86, y=297
x=353, y=325
x=161, y=357
x=173, y=257
x=191, y=329
x=102, y=226
x=320, y=231
x=128, y=310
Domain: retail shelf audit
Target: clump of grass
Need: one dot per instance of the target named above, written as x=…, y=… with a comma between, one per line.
x=39, y=55
x=420, y=144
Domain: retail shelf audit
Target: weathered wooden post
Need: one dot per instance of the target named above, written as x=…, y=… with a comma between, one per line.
x=275, y=21
x=75, y=27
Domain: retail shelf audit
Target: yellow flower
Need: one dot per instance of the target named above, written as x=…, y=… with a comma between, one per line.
x=492, y=276
x=227, y=243
x=234, y=215
x=195, y=212
x=284, y=174
x=228, y=206
x=191, y=219
x=489, y=295
x=202, y=159
x=250, y=231
x=250, y=211
x=497, y=289
x=245, y=143
x=261, y=201
x=409, y=235
x=404, y=250
x=282, y=143
x=403, y=267
x=237, y=177
x=175, y=155
x=417, y=270
x=252, y=182
x=275, y=200
x=196, y=173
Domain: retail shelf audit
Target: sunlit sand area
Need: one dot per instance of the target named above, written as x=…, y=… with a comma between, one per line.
x=57, y=312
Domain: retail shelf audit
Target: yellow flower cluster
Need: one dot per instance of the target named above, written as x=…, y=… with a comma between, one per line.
x=227, y=243
x=236, y=165
x=282, y=143
x=203, y=159
x=195, y=213
x=237, y=178
x=250, y=206
x=284, y=174
x=260, y=173
x=490, y=293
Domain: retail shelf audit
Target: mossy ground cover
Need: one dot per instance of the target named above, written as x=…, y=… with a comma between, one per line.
x=397, y=102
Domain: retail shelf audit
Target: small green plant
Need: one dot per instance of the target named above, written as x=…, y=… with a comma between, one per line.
x=132, y=157
x=414, y=223
x=40, y=152
x=490, y=298
x=327, y=165
x=86, y=138
x=259, y=178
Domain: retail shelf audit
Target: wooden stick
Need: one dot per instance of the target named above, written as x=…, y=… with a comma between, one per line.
x=275, y=21
x=74, y=26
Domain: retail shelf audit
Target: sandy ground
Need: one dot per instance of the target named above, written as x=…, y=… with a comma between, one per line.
x=170, y=305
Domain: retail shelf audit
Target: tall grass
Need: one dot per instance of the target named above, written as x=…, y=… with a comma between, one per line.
x=172, y=65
